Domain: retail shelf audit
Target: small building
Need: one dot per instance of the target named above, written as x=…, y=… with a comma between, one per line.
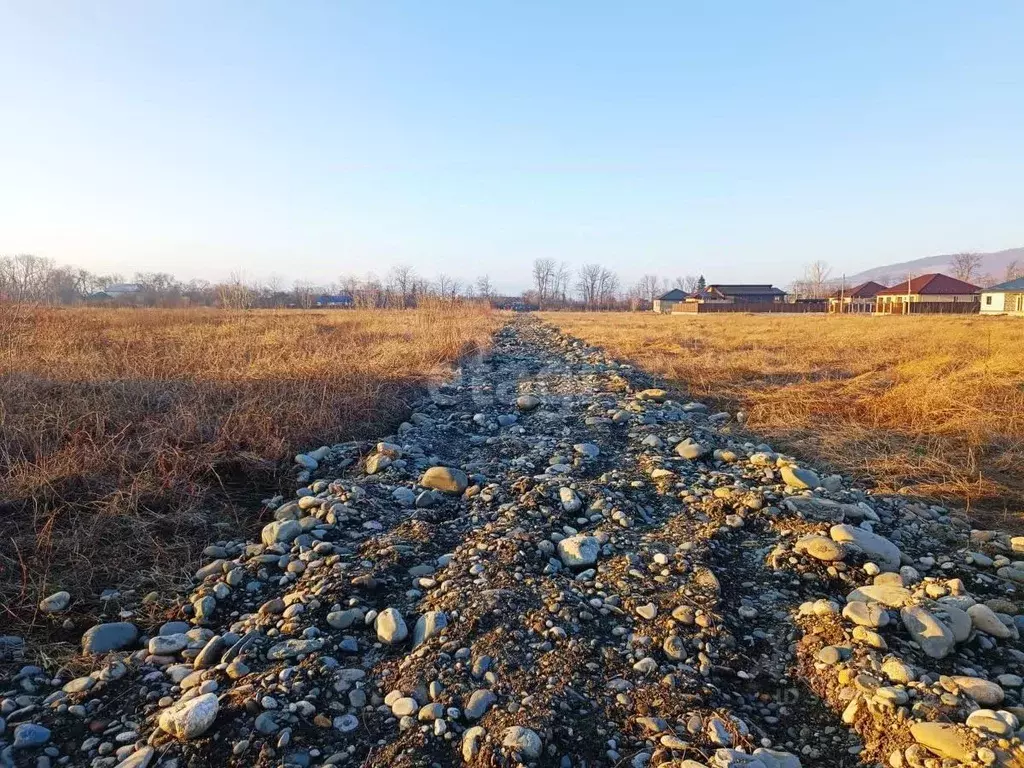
x=737, y=294
x=928, y=293
x=857, y=300
x=666, y=303
x=122, y=290
x=336, y=300
x=1004, y=299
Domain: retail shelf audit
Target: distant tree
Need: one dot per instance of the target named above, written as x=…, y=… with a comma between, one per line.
x=1013, y=270
x=304, y=294
x=403, y=283
x=483, y=286
x=560, y=284
x=815, y=283
x=966, y=265
x=544, y=275
x=701, y=283
x=648, y=288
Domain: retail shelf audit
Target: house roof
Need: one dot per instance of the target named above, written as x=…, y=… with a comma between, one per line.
x=676, y=294
x=934, y=284
x=123, y=288
x=746, y=290
x=1009, y=285
x=866, y=290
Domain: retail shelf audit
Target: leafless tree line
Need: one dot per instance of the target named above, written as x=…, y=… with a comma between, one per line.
x=29, y=279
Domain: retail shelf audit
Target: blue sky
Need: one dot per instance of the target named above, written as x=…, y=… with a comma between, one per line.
x=741, y=140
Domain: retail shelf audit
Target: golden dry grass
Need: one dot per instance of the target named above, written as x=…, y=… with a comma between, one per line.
x=931, y=406
x=131, y=438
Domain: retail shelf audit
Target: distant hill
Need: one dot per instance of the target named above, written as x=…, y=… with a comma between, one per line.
x=992, y=270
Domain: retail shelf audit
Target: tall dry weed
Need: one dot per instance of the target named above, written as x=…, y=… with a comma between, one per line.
x=130, y=439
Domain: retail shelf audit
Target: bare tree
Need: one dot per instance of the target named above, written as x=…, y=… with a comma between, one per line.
x=305, y=294
x=560, y=284
x=447, y=287
x=403, y=281
x=965, y=265
x=588, y=278
x=236, y=293
x=607, y=288
x=543, y=279
x=648, y=288
x=483, y=286
x=1013, y=270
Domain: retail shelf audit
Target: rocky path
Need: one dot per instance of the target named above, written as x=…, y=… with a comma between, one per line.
x=554, y=563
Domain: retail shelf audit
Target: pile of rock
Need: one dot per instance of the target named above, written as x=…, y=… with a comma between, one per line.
x=554, y=562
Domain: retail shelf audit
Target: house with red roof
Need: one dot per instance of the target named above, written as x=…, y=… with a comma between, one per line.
x=857, y=300
x=928, y=293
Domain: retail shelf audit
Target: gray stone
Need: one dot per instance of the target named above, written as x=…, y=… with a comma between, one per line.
x=29, y=735
x=390, y=627
x=579, y=551
x=281, y=532
x=192, y=718
x=445, y=479
x=524, y=741
x=429, y=624
x=934, y=637
x=55, y=603
x=796, y=477
x=878, y=548
x=479, y=703
x=104, y=638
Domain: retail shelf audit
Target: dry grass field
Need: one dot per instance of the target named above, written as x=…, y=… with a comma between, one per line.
x=932, y=406
x=130, y=439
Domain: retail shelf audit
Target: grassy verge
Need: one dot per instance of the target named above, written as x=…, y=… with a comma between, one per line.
x=930, y=406
x=130, y=439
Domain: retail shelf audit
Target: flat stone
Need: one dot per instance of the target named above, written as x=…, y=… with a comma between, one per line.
x=984, y=619
x=820, y=548
x=280, y=532
x=866, y=614
x=945, y=740
x=881, y=551
x=982, y=691
x=429, y=624
x=30, y=735
x=479, y=703
x=192, y=718
x=104, y=638
x=524, y=741
x=797, y=477
x=55, y=603
x=934, y=637
x=445, y=479
x=579, y=551
x=887, y=595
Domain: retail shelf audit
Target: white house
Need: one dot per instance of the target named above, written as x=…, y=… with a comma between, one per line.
x=1004, y=299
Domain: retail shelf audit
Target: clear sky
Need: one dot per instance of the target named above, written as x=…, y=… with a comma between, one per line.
x=310, y=139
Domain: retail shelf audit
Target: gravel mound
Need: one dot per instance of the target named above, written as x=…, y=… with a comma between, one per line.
x=554, y=562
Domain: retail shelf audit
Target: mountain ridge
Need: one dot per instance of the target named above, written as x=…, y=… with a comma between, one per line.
x=992, y=270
